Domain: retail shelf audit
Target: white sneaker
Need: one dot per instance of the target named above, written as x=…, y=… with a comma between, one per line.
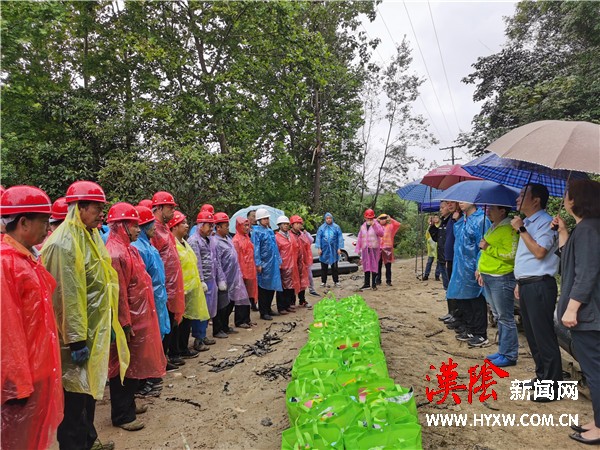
x=323, y=284
x=337, y=285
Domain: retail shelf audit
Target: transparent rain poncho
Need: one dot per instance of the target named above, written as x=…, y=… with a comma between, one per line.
x=195, y=301
x=368, y=246
x=291, y=260
x=229, y=267
x=245, y=251
x=266, y=255
x=329, y=239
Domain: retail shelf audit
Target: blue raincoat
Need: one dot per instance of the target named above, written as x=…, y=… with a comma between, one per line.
x=329, y=239
x=156, y=270
x=468, y=232
x=266, y=255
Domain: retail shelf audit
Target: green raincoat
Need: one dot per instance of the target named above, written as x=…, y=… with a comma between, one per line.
x=86, y=302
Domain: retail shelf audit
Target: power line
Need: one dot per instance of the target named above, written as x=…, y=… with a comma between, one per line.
x=425, y=64
x=443, y=66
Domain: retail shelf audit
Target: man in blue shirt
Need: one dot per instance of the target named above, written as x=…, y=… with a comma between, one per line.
x=535, y=267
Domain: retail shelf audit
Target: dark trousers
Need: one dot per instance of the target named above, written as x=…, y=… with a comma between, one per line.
x=301, y=297
x=241, y=315
x=370, y=276
x=441, y=267
x=448, y=272
x=183, y=334
x=537, y=302
x=285, y=299
x=455, y=310
x=587, y=352
x=77, y=431
x=170, y=341
x=334, y=272
x=122, y=400
x=388, y=272
x=474, y=315
x=265, y=300
x=221, y=320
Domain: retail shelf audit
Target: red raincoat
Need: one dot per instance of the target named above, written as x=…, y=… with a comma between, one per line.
x=136, y=310
x=31, y=365
x=164, y=242
x=291, y=260
x=245, y=251
x=306, y=252
x=387, y=241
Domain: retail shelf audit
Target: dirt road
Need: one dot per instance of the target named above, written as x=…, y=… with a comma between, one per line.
x=237, y=408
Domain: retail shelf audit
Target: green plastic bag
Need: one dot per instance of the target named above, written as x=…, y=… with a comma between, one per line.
x=302, y=395
x=307, y=367
x=361, y=389
x=336, y=409
x=397, y=394
x=312, y=436
x=403, y=436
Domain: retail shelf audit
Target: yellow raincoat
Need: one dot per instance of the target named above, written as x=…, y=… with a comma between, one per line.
x=195, y=300
x=86, y=302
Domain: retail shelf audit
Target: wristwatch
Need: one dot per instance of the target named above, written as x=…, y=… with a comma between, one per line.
x=522, y=229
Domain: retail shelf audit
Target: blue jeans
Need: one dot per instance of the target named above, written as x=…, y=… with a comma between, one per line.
x=441, y=268
x=499, y=293
x=199, y=328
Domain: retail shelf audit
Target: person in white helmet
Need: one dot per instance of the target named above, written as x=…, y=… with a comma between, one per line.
x=267, y=261
x=291, y=261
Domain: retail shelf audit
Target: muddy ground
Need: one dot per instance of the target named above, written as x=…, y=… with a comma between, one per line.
x=238, y=409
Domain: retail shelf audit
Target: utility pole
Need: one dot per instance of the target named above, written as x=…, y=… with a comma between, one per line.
x=452, y=147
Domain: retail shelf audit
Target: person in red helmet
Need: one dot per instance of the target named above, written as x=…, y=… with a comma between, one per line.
x=368, y=247
x=86, y=305
x=32, y=396
x=146, y=203
x=207, y=207
x=245, y=252
x=195, y=300
x=163, y=207
x=305, y=262
x=137, y=316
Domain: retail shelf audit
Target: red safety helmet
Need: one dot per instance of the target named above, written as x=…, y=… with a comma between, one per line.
x=296, y=219
x=178, y=217
x=369, y=214
x=60, y=208
x=85, y=191
x=122, y=211
x=163, y=198
x=145, y=202
x=24, y=199
x=145, y=213
x=207, y=207
x=221, y=217
x=205, y=217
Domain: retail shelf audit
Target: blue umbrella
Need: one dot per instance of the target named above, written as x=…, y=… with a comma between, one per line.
x=417, y=192
x=511, y=172
x=483, y=192
x=274, y=214
x=432, y=206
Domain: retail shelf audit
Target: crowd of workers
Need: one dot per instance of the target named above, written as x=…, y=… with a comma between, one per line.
x=493, y=259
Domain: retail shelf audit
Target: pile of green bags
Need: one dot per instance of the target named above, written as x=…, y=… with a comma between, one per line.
x=341, y=395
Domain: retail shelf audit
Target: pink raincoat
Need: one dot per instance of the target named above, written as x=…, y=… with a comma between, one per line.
x=368, y=246
x=305, y=241
x=387, y=241
x=164, y=242
x=245, y=251
x=291, y=260
x=136, y=310
x=31, y=365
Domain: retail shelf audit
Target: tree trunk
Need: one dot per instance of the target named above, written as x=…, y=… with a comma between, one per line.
x=317, y=156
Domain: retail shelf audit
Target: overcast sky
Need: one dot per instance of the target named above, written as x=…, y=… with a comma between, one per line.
x=466, y=30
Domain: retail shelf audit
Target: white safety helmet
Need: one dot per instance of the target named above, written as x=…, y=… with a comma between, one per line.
x=282, y=219
x=262, y=213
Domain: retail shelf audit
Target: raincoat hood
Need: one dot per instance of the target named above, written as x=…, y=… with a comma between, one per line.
x=239, y=224
x=326, y=215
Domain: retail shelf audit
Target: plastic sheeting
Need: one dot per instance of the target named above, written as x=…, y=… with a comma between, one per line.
x=367, y=246
x=30, y=351
x=86, y=303
x=387, y=241
x=164, y=242
x=305, y=241
x=329, y=239
x=156, y=269
x=136, y=310
x=468, y=232
x=291, y=260
x=205, y=255
x=228, y=267
x=266, y=256
x=245, y=251
x=195, y=301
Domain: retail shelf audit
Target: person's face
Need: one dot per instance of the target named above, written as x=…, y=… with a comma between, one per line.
x=495, y=213
x=436, y=219
x=181, y=229
x=92, y=215
x=382, y=221
x=206, y=229
x=35, y=230
x=329, y=220
x=134, y=230
x=464, y=206
x=223, y=229
x=443, y=208
x=297, y=226
x=246, y=227
x=452, y=207
x=265, y=222
x=168, y=211
x=525, y=202
x=252, y=218
x=151, y=231
x=285, y=227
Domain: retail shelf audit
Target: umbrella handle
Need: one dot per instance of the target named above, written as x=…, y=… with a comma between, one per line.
x=562, y=200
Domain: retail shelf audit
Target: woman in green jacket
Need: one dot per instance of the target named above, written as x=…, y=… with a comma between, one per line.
x=495, y=274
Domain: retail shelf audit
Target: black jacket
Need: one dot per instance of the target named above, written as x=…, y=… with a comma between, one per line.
x=438, y=234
